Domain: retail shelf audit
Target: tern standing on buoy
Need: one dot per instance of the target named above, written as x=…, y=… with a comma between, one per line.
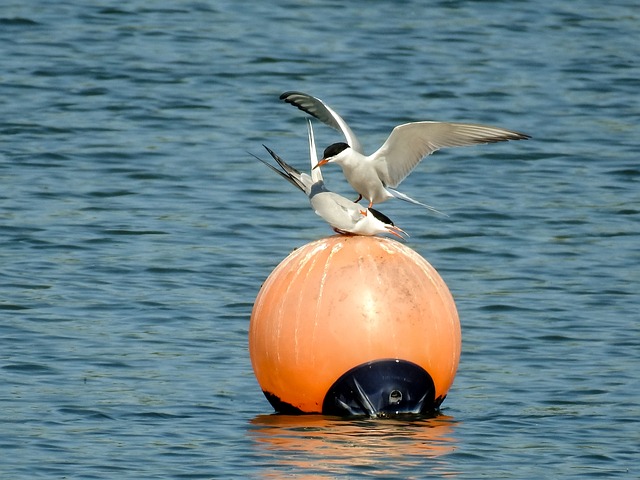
x=345, y=216
x=375, y=176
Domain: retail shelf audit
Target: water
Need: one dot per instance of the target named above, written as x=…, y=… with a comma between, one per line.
x=136, y=231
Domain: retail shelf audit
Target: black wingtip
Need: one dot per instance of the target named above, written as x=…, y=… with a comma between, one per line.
x=284, y=165
x=519, y=136
x=284, y=173
x=271, y=152
x=504, y=138
x=285, y=96
x=274, y=155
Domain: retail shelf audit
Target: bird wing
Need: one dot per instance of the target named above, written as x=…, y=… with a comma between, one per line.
x=292, y=175
x=317, y=108
x=408, y=144
x=337, y=211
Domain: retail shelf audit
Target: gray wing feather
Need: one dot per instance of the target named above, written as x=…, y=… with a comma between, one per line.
x=408, y=144
x=289, y=173
x=320, y=110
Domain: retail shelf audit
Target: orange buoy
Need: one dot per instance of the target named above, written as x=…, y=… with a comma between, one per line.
x=354, y=325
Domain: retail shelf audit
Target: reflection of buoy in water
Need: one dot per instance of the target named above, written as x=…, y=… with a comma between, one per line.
x=351, y=325
x=313, y=446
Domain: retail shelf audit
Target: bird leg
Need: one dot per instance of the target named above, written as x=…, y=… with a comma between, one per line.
x=358, y=199
x=341, y=232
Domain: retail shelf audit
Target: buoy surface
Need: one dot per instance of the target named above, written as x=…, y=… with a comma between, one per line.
x=346, y=301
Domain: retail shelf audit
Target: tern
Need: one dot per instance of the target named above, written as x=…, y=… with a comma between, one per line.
x=344, y=216
x=375, y=176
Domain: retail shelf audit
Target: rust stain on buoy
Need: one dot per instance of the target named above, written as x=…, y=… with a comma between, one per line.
x=343, y=301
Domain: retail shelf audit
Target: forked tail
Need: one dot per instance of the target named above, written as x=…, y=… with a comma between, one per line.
x=408, y=199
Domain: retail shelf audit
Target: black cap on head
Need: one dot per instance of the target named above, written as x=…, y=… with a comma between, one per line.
x=381, y=216
x=334, y=149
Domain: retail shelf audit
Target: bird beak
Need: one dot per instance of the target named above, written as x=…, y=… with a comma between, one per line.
x=397, y=231
x=322, y=162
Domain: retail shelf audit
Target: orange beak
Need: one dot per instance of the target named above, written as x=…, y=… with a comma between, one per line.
x=322, y=162
x=397, y=231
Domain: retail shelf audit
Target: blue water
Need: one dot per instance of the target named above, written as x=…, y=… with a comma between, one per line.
x=136, y=231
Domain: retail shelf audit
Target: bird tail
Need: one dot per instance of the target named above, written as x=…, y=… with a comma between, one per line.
x=407, y=198
x=316, y=173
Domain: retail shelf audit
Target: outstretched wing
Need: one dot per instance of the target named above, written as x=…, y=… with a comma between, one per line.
x=408, y=144
x=317, y=108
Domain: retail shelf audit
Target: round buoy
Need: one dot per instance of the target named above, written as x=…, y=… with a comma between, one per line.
x=354, y=325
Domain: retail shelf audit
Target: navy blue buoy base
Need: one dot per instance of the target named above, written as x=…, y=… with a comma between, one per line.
x=382, y=388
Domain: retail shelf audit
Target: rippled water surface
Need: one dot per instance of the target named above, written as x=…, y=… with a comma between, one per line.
x=136, y=230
